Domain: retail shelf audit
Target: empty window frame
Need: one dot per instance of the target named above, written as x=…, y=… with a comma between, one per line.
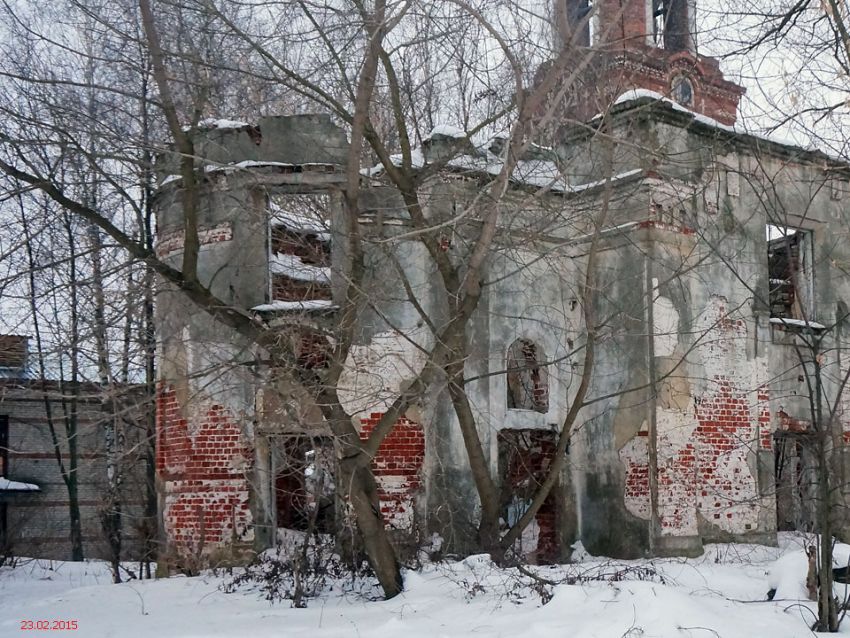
x=299, y=247
x=671, y=24
x=581, y=28
x=527, y=378
x=790, y=273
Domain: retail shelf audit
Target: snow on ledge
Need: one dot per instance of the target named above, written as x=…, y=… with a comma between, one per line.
x=446, y=130
x=210, y=123
x=637, y=94
x=7, y=485
x=292, y=266
x=299, y=219
x=245, y=164
x=310, y=304
x=797, y=323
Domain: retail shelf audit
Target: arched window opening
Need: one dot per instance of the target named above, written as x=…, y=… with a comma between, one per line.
x=528, y=380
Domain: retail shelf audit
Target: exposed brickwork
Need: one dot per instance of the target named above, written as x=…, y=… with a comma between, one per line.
x=168, y=243
x=788, y=423
x=765, y=430
x=201, y=464
x=705, y=446
x=726, y=434
x=397, y=468
x=637, y=480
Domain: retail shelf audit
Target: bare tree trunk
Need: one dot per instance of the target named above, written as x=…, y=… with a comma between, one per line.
x=362, y=493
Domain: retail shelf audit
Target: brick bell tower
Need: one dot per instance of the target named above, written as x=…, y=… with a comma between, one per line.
x=640, y=44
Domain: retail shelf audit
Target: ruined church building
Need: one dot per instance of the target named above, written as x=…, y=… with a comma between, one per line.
x=718, y=254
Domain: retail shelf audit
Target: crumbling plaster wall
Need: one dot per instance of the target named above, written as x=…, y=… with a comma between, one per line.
x=206, y=399
x=715, y=414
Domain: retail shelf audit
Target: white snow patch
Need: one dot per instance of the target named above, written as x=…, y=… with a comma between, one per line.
x=168, y=179
x=244, y=164
x=301, y=213
x=578, y=188
x=738, y=129
x=446, y=130
x=797, y=323
x=211, y=123
x=472, y=597
x=292, y=266
x=7, y=485
x=309, y=304
x=637, y=94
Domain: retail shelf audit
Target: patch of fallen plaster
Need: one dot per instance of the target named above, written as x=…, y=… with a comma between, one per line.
x=665, y=324
x=376, y=373
x=703, y=468
x=634, y=455
x=677, y=472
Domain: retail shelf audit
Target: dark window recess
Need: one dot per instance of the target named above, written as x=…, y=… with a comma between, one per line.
x=4, y=471
x=671, y=27
x=795, y=470
x=786, y=272
x=305, y=493
x=577, y=11
x=4, y=445
x=300, y=248
x=528, y=380
x=524, y=460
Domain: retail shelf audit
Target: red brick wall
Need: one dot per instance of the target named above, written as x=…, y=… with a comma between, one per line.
x=727, y=428
x=201, y=465
x=397, y=468
x=703, y=462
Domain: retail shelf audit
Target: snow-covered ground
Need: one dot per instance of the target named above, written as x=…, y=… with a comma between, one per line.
x=721, y=594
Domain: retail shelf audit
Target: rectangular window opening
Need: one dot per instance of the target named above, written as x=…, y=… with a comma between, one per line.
x=577, y=12
x=789, y=259
x=671, y=24
x=299, y=247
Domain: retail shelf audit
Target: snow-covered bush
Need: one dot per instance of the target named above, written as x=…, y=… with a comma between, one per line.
x=301, y=567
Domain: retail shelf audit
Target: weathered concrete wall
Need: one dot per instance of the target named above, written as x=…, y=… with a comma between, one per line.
x=38, y=523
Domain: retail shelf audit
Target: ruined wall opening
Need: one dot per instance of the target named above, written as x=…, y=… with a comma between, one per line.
x=299, y=247
x=796, y=480
x=305, y=493
x=527, y=377
x=582, y=30
x=524, y=460
x=789, y=264
x=671, y=24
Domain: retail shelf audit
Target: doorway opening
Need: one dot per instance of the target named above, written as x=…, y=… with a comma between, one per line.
x=304, y=488
x=524, y=460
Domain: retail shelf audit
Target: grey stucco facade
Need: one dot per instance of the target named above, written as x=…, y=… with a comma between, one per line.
x=693, y=383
